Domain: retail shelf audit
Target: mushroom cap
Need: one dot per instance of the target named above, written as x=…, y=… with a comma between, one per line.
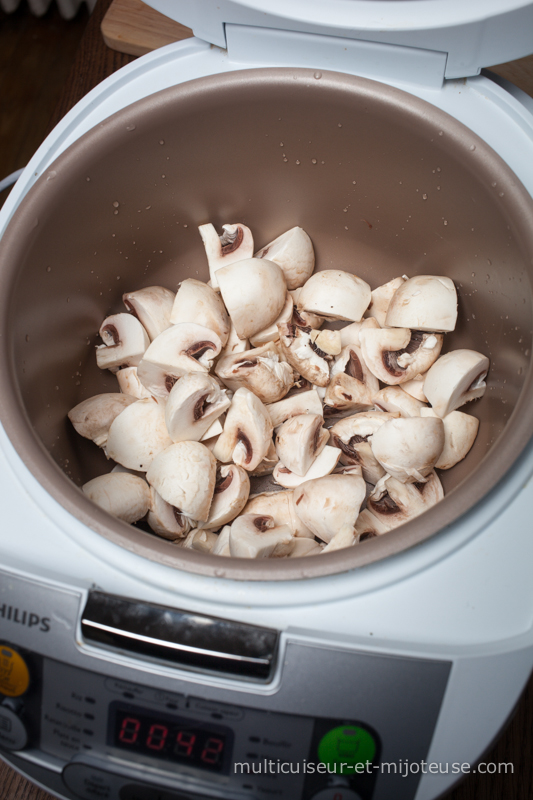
x=271, y=333
x=325, y=505
x=184, y=475
x=138, y=434
x=121, y=494
x=324, y=464
x=247, y=431
x=125, y=341
x=396, y=355
x=409, y=447
x=235, y=244
x=460, y=431
x=455, y=379
x=152, y=306
x=197, y=302
x=335, y=294
x=194, y=403
x=279, y=505
x=260, y=370
x=231, y=495
x=293, y=252
x=381, y=298
x=92, y=418
x=254, y=292
x=392, y=502
x=424, y=303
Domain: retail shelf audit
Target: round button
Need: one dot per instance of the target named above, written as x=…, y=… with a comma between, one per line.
x=14, y=674
x=346, y=747
x=336, y=794
x=13, y=733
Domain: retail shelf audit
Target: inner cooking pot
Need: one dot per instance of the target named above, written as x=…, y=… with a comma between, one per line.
x=384, y=183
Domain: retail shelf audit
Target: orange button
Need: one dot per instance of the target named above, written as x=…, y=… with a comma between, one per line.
x=14, y=674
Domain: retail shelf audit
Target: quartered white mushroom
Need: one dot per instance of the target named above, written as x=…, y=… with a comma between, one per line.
x=197, y=302
x=300, y=440
x=152, y=307
x=138, y=434
x=324, y=464
x=194, y=403
x=268, y=464
x=369, y=526
x=396, y=355
x=424, y=303
x=350, y=334
x=257, y=536
x=221, y=546
x=182, y=348
x=254, y=292
x=307, y=402
x=125, y=341
x=455, y=379
x=260, y=370
x=306, y=357
x=92, y=418
x=409, y=447
x=247, y=432
x=129, y=383
x=326, y=505
x=305, y=547
x=232, y=489
x=394, y=398
x=214, y=430
x=381, y=298
x=235, y=244
x=166, y=520
x=121, y=494
x=200, y=540
x=271, y=334
x=280, y=506
x=184, y=474
x=335, y=294
x=352, y=385
x=392, y=502
x=293, y=252
x=234, y=344
x=460, y=431
x=353, y=436
x=415, y=387
x=345, y=537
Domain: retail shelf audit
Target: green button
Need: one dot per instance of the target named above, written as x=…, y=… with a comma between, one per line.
x=344, y=747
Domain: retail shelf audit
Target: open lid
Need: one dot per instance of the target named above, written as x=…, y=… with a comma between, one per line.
x=470, y=34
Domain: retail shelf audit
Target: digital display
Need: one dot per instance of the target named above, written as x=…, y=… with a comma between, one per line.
x=183, y=741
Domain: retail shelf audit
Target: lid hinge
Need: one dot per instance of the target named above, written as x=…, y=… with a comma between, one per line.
x=251, y=46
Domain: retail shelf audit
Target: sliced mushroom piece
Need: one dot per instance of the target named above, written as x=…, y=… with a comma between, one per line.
x=424, y=303
x=307, y=359
x=392, y=502
x=335, y=294
x=460, y=431
x=166, y=520
x=260, y=370
x=409, y=447
x=280, y=506
x=415, y=387
x=92, y=418
x=221, y=546
x=121, y=494
x=234, y=344
x=271, y=334
x=455, y=379
x=214, y=430
x=197, y=302
x=254, y=292
x=352, y=385
x=200, y=540
x=326, y=505
x=350, y=334
x=182, y=348
x=268, y=464
x=129, y=383
x=327, y=341
x=381, y=298
x=394, y=398
x=247, y=432
x=184, y=474
x=232, y=489
x=305, y=547
x=138, y=434
x=152, y=307
x=125, y=342
x=300, y=440
x=194, y=403
x=257, y=536
x=324, y=464
x=353, y=436
x=302, y=403
x=395, y=355
x=293, y=251
x=235, y=244
x=369, y=526
x=345, y=537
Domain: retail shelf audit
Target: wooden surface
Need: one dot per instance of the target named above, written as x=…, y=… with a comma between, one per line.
x=130, y=26
x=93, y=62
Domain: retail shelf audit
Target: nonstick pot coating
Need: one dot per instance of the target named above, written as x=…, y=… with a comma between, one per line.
x=384, y=184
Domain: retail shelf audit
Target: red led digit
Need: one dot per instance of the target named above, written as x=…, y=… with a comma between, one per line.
x=184, y=743
x=212, y=750
x=129, y=730
x=157, y=736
